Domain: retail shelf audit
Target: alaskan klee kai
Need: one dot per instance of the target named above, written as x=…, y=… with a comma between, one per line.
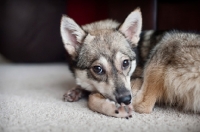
x=106, y=60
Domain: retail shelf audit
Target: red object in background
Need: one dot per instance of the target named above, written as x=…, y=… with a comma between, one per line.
x=87, y=11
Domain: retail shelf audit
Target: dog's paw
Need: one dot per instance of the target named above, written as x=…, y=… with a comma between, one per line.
x=73, y=95
x=142, y=104
x=107, y=107
x=120, y=111
x=142, y=108
x=124, y=111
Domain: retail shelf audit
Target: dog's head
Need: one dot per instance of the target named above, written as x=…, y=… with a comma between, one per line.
x=103, y=54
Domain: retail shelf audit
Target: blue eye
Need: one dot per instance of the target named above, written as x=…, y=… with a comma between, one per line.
x=98, y=70
x=125, y=64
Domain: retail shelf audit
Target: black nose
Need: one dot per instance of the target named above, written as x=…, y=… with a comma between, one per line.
x=124, y=99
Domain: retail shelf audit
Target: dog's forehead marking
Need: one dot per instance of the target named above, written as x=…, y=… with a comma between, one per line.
x=104, y=61
x=109, y=37
x=119, y=55
x=106, y=40
x=119, y=58
x=104, y=43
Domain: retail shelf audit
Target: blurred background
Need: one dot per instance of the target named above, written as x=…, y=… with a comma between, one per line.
x=30, y=29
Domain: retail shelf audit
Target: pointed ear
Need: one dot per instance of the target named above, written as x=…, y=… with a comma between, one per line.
x=72, y=35
x=132, y=26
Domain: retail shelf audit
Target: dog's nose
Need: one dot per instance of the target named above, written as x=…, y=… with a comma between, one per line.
x=125, y=99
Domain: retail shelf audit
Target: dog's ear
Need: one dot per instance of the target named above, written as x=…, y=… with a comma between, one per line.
x=72, y=35
x=132, y=26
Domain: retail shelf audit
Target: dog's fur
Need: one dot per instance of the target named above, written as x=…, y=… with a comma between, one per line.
x=107, y=62
x=172, y=74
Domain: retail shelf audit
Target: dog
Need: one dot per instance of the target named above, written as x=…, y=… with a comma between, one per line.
x=124, y=74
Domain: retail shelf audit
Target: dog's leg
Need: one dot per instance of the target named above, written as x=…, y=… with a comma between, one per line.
x=104, y=106
x=136, y=80
x=74, y=94
x=151, y=90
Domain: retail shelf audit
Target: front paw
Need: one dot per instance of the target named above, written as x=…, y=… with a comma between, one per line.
x=142, y=108
x=119, y=111
x=73, y=95
x=107, y=107
x=143, y=104
x=123, y=111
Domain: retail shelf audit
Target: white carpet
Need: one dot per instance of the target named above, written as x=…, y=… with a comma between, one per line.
x=31, y=100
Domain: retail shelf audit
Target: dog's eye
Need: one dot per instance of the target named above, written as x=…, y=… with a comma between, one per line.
x=98, y=70
x=125, y=64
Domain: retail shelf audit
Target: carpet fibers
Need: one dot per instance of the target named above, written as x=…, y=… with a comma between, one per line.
x=31, y=100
